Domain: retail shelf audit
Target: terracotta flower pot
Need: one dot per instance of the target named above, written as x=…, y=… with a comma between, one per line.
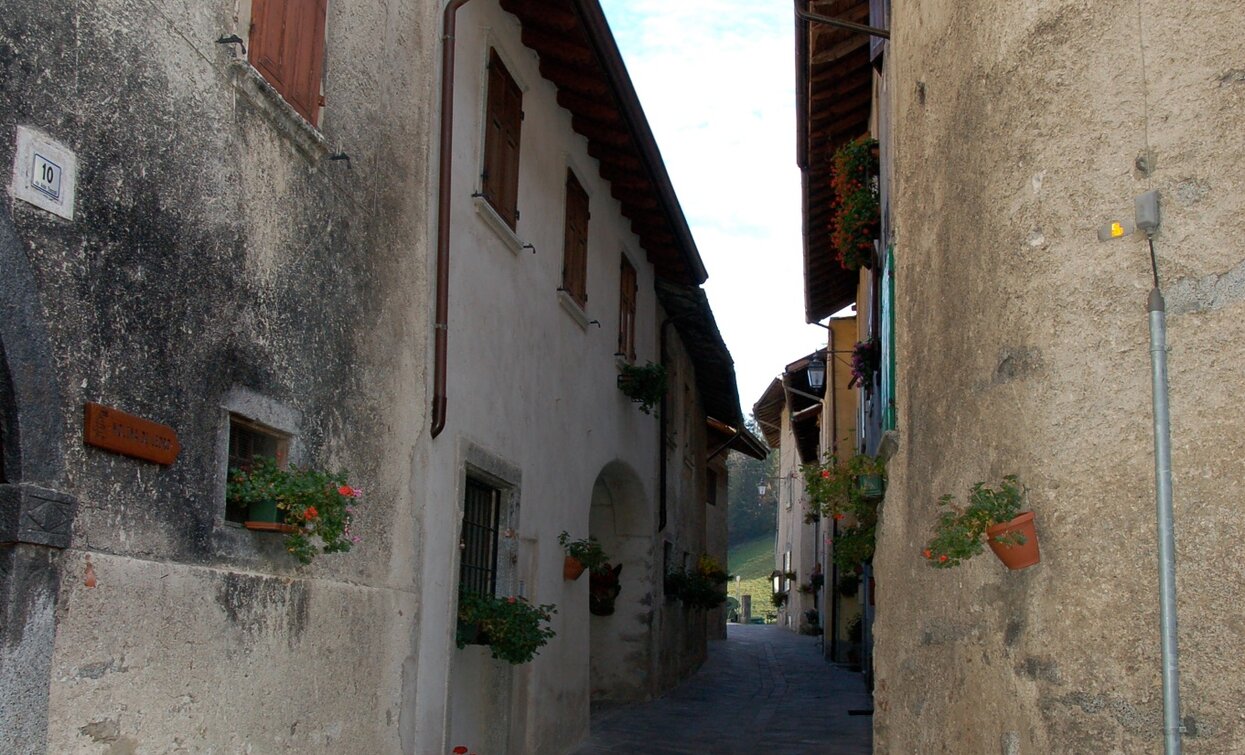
x=1015, y=556
x=571, y=568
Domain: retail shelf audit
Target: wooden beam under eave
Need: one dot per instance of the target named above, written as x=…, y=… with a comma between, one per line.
x=583, y=81
x=588, y=107
x=611, y=134
x=552, y=15
x=561, y=47
x=619, y=160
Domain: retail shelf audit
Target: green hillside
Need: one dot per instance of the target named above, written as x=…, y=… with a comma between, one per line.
x=753, y=560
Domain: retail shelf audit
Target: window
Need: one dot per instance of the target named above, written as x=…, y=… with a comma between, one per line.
x=626, y=311
x=478, y=544
x=575, y=242
x=503, y=118
x=249, y=440
x=287, y=48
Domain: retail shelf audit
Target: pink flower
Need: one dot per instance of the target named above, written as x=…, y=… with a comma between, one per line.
x=825, y=474
x=510, y=599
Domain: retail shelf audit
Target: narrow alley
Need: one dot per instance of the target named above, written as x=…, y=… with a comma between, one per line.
x=762, y=690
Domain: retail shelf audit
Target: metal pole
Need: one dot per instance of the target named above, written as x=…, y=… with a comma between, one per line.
x=1167, y=554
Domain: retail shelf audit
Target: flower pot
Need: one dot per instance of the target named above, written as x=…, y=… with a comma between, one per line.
x=571, y=568
x=264, y=516
x=1015, y=556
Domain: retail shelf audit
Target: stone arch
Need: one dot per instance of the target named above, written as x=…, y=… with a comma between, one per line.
x=620, y=645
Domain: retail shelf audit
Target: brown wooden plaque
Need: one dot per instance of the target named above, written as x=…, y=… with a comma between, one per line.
x=122, y=433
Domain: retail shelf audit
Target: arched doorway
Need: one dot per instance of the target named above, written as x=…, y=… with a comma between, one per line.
x=620, y=645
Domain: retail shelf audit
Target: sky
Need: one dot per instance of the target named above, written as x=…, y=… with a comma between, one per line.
x=716, y=79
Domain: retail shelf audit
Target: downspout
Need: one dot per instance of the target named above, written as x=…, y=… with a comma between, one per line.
x=445, y=164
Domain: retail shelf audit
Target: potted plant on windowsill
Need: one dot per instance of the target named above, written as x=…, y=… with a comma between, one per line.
x=513, y=628
x=645, y=385
x=992, y=517
x=580, y=555
x=308, y=505
x=866, y=363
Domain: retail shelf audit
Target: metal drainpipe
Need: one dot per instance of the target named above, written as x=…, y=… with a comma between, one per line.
x=1166, y=537
x=446, y=160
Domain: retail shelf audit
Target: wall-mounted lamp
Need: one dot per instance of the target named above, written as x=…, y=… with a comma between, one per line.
x=816, y=372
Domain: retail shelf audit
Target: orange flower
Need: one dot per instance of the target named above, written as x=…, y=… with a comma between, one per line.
x=825, y=473
x=839, y=517
x=927, y=553
x=459, y=750
x=310, y=513
x=942, y=558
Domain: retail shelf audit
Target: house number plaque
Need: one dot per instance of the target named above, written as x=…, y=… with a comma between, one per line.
x=116, y=431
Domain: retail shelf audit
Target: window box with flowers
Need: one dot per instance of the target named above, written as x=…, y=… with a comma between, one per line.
x=700, y=587
x=308, y=505
x=856, y=218
x=512, y=628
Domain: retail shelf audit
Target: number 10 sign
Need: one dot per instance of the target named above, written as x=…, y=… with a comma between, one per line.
x=44, y=173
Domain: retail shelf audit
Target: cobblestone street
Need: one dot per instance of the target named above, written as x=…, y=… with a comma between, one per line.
x=763, y=690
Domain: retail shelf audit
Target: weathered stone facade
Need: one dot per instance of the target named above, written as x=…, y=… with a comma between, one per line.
x=1019, y=128
x=227, y=257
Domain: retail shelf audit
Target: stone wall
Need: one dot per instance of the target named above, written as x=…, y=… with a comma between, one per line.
x=1019, y=129
x=215, y=252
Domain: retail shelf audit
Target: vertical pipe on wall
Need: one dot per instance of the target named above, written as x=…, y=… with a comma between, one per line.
x=1166, y=538
x=445, y=165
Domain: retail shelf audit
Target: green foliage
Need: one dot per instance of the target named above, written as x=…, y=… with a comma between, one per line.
x=856, y=212
x=700, y=587
x=960, y=531
x=834, y=489
x=779, y=599
x=511, y=627
x=587, y=551
x=748, y=516
x=320, y=505
x=644, y=385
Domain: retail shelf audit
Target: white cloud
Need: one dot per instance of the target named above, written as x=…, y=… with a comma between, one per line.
x=716, y=79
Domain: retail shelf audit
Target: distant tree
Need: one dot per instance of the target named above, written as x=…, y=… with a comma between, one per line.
x=748, y=516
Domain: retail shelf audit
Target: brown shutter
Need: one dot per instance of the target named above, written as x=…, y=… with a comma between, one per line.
x=287, y=48
x=504, y=116
x=626, y=311
x=575, y=255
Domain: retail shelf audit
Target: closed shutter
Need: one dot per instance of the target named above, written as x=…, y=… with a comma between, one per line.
x=287, y=48
x=626, y=311
x=575, y=254
x=504, y=118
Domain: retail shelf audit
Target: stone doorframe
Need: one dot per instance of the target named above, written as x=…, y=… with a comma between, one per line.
x=35, y=515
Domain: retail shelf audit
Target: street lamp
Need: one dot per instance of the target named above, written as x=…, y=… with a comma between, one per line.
x=762, y=488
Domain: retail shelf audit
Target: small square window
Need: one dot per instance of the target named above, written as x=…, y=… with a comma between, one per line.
x=249, y=440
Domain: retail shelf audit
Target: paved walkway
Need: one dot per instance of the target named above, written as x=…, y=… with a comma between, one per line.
x=763, y=690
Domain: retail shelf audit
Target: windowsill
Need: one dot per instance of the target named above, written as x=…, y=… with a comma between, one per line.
x=572, y=308
x=281, y=114
x=495, y=222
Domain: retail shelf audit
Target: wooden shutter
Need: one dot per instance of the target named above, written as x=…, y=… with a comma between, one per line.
x=626, y=311
x=287, y=48
x=504, y=118
x=575, y=252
